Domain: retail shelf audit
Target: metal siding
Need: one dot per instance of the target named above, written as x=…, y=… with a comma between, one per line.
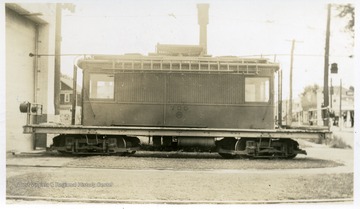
x=179, y=99
x=108, y=114
x=204, y=88
x=139, y=87
x=220, y=116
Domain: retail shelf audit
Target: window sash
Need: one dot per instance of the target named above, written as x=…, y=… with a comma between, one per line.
x=257, y=89
x=101, y=86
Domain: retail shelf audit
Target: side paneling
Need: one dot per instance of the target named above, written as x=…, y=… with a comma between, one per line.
x=180, y=100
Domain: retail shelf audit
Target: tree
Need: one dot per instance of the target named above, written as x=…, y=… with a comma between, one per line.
x=347, y=11
x=308, y=97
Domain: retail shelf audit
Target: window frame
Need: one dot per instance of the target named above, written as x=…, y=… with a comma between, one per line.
x=269, y=90
x=66, y=98
x=90, y=86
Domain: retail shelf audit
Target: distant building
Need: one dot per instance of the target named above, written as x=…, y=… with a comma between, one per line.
x=347, y=100
x=66, y=100
x=309, y=110
x=296, y=111
x=314, y=111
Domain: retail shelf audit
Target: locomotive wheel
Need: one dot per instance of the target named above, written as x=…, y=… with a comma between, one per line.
x=128, y=143
x=291, y=156
x=227, y=144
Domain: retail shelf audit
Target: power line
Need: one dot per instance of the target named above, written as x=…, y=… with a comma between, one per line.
x=254, y=55
x=300, y=55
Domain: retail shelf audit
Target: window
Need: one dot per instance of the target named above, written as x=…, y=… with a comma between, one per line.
x=101, y=86
x=67, y=98
x=62, y=99
x=257, y=89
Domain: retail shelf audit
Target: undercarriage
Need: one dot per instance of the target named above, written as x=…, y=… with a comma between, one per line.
x=95, y=144
x=227, y=147
x=259, y=148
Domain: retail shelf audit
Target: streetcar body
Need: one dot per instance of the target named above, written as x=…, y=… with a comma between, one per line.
x=178, y=97
x=216, y=104
x=178, y=92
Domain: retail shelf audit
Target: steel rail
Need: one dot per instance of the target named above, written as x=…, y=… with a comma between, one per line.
x=342, y=169
x=133, y=201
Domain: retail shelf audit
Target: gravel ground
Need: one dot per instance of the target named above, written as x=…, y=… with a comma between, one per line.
x=175, y=185
x=176, y=161
x=174, y=176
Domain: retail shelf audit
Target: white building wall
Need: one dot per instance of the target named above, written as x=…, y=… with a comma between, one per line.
x=28, y=27
x=19, y=77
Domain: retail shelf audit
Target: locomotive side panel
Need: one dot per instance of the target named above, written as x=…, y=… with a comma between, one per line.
x=181, y=115
x=215, y=101
x=134, y=99
x=219, y=100
x=208, y=116
x=119, y=114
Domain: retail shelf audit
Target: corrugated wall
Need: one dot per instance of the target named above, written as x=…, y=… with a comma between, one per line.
x=204, y=89
x=179, y=88
x=140, y=87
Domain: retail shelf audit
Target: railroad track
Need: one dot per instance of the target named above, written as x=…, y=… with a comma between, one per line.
x=87, y=200
x=341, y=168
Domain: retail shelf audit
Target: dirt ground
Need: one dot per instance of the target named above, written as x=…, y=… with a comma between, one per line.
x=178, y=185
x=325, y=173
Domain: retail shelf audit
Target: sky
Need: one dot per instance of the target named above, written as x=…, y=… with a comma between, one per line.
x=236, y=28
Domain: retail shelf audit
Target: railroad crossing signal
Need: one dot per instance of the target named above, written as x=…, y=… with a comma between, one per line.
x=334, y=68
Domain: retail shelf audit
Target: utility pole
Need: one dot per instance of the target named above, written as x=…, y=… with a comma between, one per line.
x=74, y=97
x=331, y=93
x=57, y=70
x=280, y=98
x=341, y=122
x=326, y=66
x=291, y=76
x=289, y=118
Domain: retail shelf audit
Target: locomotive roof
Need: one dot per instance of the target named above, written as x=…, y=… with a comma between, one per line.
x=173, y=63
x=178, y=50
x=158, y=57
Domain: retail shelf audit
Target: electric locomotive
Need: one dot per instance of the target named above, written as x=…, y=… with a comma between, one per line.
x=179, y=97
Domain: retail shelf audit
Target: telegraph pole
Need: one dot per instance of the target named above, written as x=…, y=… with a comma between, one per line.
x=57, y=70
x=280, y=98
x=291, y=76
x=326, y=66
x=341, y=121
x=289, y=118
x=74, y=97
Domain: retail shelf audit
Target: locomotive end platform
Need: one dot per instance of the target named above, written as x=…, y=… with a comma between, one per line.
x=321, y=134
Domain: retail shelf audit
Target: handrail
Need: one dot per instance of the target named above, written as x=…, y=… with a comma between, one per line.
x=218, y=64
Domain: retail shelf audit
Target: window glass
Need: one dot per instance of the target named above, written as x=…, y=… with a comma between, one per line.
x=62, y=99
x=67, y=98
x=257, y=89
x=101, y=86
